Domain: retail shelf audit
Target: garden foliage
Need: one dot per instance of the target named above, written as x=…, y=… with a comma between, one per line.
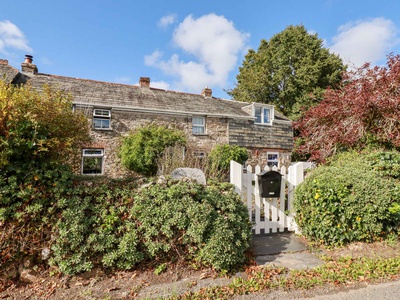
x=220, y=157
x=119, y=227
x=39, y=132
x=141, y=150
x=363, y=111
x=353, y=198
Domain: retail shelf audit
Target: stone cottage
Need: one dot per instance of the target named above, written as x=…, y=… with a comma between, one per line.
x=115, y=110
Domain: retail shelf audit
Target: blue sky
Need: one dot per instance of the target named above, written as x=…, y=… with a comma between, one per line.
x=184, y=45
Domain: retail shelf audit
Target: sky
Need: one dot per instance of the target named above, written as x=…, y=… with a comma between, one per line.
x=184, y=45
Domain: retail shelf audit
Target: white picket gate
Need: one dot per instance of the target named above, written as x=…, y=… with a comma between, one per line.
x=269, y=215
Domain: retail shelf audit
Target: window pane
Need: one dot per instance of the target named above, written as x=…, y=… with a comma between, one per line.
x=101, y=123
x=272, y=164
x=273, y=156
x=87, y=152
x=102, y=112
x=257, y=112
x=92, y=165
x=266, y=115
x=198, y=121
x=198, y=129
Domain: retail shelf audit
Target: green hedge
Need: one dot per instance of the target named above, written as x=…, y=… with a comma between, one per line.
x=121, y=227
x=354, y=198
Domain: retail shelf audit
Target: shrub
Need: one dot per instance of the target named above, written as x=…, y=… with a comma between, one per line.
x=220, y=157
x=37, y=126
x=116, y=226
x=141, y=149
x=39, y=132
x=209, y=224
x=354, y=198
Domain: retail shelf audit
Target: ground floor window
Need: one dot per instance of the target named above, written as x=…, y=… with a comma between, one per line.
x=272, y=159
x=92, y=161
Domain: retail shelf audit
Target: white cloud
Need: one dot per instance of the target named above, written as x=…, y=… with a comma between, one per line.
x=165, y=21
x=365, y=41
x=12, y=37
x=160, y=85
x=152, y=59
x=213, y=42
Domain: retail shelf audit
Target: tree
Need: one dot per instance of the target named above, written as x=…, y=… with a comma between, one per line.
x=141, y=149
x=38, y=127
x=363, y=112
x=291, y=71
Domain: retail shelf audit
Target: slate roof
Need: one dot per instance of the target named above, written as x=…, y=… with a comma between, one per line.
x=123, y=96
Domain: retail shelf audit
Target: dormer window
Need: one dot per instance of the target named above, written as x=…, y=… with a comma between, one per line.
x=263, y=114
x=102, y=119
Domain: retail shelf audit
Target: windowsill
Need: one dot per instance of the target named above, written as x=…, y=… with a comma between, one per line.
x=92, y=175
x=200, y=134
x=104, y=129
x=263, y=124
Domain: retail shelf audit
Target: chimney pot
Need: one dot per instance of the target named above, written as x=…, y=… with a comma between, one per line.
x=207, y=92
x=144, y=82
x=27, y=66
x=28, y=58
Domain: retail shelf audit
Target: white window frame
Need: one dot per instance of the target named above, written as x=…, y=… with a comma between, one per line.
x=100, y=114
x=264, y=109
x=198, y=129
x=273, y=159
x=86, y=154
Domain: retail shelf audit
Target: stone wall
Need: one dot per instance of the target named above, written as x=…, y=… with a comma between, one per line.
x=124, y=122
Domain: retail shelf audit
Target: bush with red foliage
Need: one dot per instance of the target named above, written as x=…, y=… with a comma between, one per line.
x=364, y=111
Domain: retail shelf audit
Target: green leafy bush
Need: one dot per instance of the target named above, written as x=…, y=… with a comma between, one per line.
x=93, y=228
x=39, y=132
x=141, y=149
x=209, y=224
x=116, y=226
x=220, y=157
x=354, y=198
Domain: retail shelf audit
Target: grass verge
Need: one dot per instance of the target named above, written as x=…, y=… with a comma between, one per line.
x=343, y=271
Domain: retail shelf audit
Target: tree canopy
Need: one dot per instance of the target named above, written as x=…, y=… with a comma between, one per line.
x=363, y=112
x=291, y=71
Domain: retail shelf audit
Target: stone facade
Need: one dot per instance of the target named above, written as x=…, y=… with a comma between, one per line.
x=124, y=122
x=226, y=121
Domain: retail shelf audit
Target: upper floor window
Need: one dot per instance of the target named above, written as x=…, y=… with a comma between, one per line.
x=102, y=118
x=263, y=115
x=198, y=125
x=92, y=161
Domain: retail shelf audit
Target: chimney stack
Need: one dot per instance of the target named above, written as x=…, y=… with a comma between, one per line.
x=144, y=82
x=27, y=66
x=207, y=93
